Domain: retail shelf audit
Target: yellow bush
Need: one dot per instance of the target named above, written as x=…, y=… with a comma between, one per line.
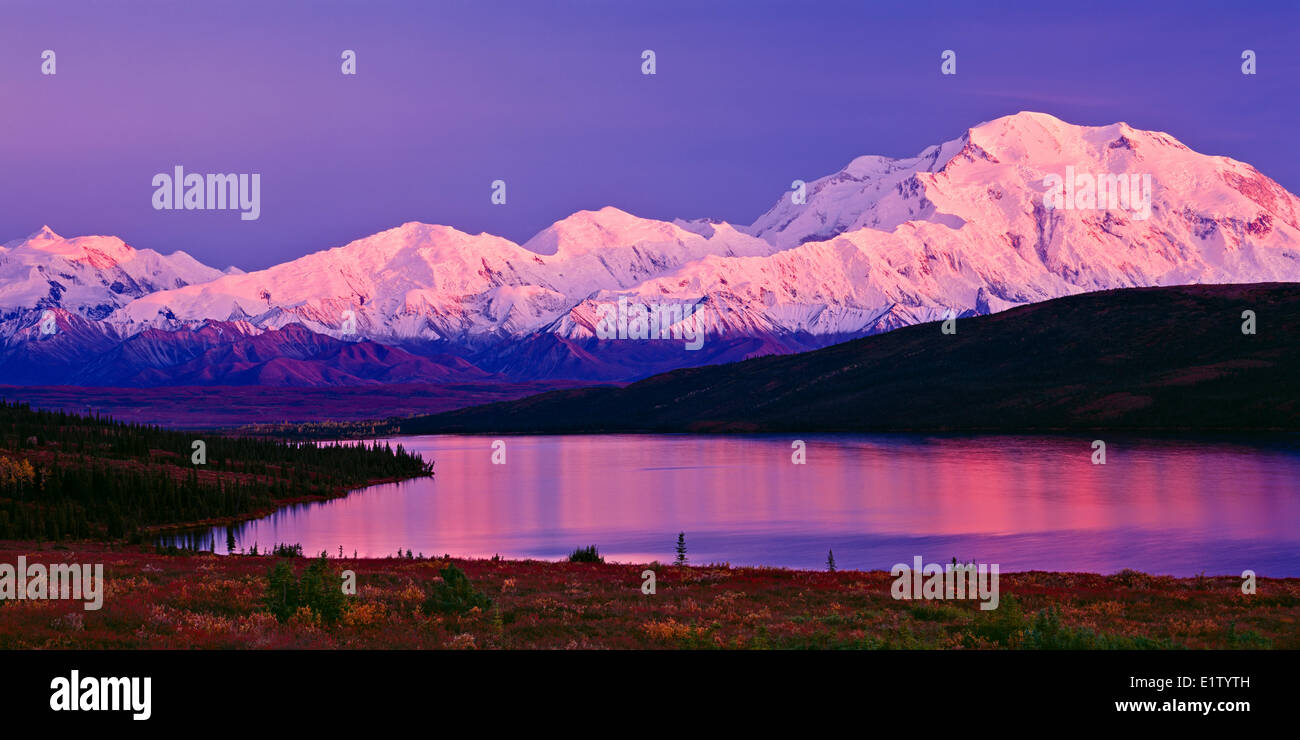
x=669, y=629
x=305, y=618
x=364, y=614
x=14, y=473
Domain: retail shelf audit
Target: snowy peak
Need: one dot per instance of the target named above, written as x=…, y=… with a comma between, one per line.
x=870, y=192
x=89, y=275
x=101, y=252
x=432, y=283
x=1039, y=141
x=415, y=266
x=1045, y=139
x=1025, y=134
x=588, y=231
x=44, y=234
x=953, y=183
x=414, y=235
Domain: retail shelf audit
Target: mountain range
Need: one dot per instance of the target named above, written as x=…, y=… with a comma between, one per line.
x=967, y=227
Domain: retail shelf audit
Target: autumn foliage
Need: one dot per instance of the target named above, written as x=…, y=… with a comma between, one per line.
x=207, y=601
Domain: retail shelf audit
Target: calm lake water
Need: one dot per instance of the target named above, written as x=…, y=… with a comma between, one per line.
x=1027, y=503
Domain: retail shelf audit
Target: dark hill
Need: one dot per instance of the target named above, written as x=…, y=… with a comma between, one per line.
x=1144, y=359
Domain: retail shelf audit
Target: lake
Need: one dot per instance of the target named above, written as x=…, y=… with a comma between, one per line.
x=1166, y=506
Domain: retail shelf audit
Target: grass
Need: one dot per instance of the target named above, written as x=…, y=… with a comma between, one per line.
x=155, y=600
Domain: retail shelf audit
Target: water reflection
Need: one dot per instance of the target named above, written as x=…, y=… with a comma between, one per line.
x=1165, y=506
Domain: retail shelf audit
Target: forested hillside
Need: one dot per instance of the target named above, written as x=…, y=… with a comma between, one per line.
x=68, y=476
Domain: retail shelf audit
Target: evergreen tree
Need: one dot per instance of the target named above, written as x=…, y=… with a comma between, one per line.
x=318, y=589
x=454, y=594
x=95, y=477
x=681, y=548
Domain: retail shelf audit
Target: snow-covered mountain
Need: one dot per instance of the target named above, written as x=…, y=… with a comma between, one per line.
x=963, y=227
x=90, y=275
x=974, y=225
x=420, y=282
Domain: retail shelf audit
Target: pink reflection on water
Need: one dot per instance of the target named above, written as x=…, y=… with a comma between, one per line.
x=1024, y=502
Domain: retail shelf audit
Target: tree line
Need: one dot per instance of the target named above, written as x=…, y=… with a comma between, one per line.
x=66, y=476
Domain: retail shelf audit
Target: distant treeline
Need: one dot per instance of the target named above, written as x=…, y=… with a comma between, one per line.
x=68, y=476
x=323, y=429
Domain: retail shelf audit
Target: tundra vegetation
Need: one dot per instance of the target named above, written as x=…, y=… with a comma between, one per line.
x=200, y=600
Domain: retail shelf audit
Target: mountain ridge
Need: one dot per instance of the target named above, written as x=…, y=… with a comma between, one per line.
x=963, y=228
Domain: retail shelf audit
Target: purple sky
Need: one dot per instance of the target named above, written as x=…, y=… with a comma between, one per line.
x=548, y=96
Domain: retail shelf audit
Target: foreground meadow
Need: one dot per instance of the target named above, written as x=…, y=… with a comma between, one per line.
x=156, y=600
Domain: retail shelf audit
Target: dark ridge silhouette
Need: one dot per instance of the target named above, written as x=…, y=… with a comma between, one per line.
x=1172, y=358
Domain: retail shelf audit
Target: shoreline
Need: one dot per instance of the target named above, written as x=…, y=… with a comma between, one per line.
x=95, y=545
x=279, y=504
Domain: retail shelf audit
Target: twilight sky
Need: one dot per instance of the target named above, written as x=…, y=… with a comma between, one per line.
x=548, y=95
